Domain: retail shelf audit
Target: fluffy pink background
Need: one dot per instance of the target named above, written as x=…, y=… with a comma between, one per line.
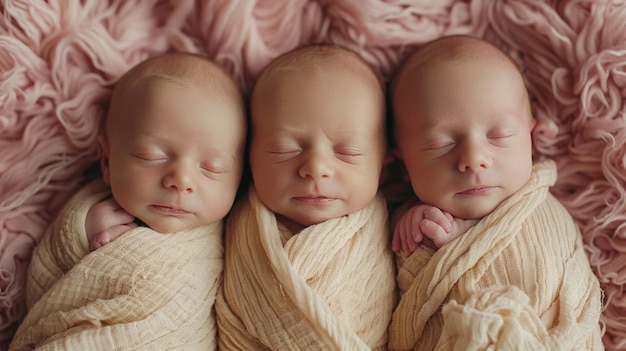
x=59, y=58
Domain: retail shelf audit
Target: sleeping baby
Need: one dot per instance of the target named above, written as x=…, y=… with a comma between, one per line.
x=172, y=159
x=488, y=258
x=308, y=265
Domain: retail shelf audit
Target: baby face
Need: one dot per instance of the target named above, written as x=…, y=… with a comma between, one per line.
x=464, y=134
x=175, y=154
x=317, y=142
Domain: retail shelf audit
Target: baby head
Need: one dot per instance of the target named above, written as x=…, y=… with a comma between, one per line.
x=462, y=123
x=174, y=141
x=317, y=134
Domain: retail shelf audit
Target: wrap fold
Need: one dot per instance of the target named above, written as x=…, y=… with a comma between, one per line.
x=519, y=279
x=143, y=291
x=329, y=287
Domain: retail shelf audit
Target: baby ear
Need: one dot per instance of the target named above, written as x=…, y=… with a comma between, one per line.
x=104, y=159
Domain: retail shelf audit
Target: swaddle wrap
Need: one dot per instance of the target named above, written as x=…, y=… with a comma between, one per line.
x=329, y=287
x=143, y=291
x=518, y=280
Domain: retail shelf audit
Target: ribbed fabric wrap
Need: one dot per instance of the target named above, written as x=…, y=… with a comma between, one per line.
x=518, y=280
x=143, y=291
x=329, y=287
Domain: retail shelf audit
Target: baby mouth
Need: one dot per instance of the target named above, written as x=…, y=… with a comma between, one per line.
x=317, y=200
x=476, y=191
x=168, y=210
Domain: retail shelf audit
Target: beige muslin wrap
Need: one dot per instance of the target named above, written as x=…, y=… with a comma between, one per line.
x=143, y=291
x=518, y=280
x=330, y=287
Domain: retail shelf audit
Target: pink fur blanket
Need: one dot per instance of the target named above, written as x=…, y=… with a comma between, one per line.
x=58, y=60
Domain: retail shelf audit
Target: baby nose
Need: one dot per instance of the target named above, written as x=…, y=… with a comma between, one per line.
x=179, y=179
x=316, y=166
x=473, y=157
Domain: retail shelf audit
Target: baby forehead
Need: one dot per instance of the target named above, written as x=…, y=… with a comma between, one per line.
x=319, y=61
x=451, y=51
x=201, y=82
x=159, y=93
x=186, y=69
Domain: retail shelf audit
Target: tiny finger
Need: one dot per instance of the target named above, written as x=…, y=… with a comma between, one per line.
x=437, y=216
x=433, y=230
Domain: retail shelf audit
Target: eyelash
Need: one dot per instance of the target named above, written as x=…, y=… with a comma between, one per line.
x=503, y=136
x=214, y=169
x=438, y=146
x=150, y=157
x=204, y=168
x=343, y=155
x=282, y=152
x=443, y=145
x=349, y=152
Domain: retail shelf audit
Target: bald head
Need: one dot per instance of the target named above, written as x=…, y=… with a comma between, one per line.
x=451, y=50
x=408, y=87
x=317, y=58
x=184, y=69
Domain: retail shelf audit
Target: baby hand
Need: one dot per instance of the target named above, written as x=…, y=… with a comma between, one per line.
x=419, y=221
x=440, y=227
x=425, y=221
x=106, y=221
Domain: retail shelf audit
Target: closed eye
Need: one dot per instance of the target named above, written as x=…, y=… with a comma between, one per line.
x=501, y=138
x=214, y=167
x=150, y=157
x=437, y=149
x=349, y=154
x=439, y=145
x=500, y=135
x=283, y=154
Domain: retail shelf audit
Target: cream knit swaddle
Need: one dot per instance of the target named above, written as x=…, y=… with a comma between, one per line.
x=143, y=291
x=518, y=280
x=330, y=287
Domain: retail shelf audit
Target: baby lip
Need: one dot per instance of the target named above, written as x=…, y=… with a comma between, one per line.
x=172, y=210
x=316, y=198
x=476, y=190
